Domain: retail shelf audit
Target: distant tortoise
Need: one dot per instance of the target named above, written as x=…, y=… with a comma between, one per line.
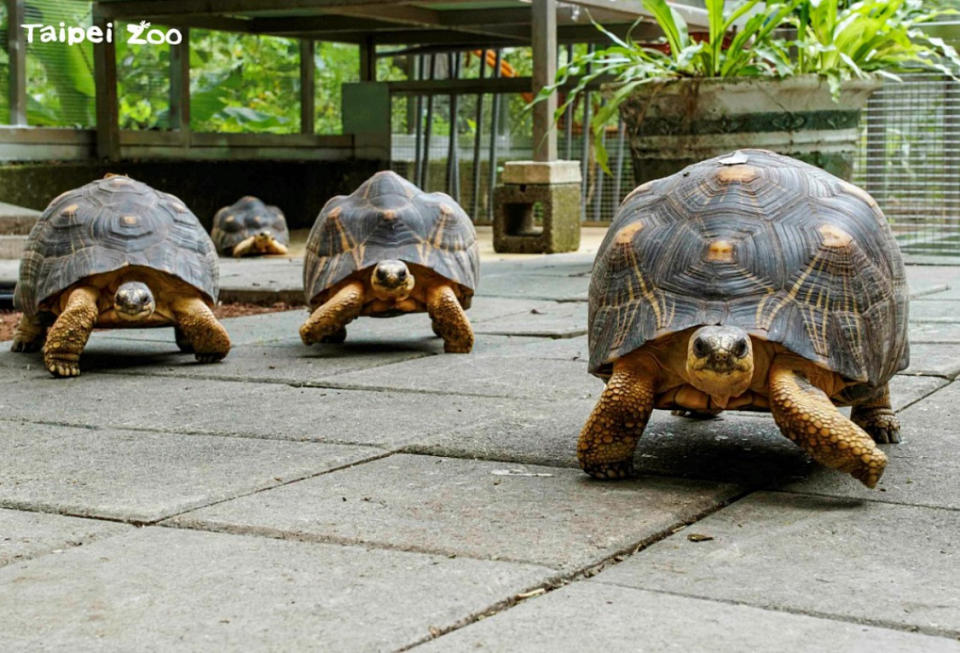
x=750, y=281
x=116, y=253
x=386, y=249
x=250, y=227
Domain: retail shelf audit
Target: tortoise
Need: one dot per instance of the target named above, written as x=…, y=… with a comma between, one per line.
x=389, y=248
x=116, y=253
x=250, y=227
x=749, y=281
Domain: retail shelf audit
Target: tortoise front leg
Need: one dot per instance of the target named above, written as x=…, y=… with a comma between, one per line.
x=29, y=334
x=610, y=436
x=877, y=418
x=449, y=320
x=199, y=329
x=806, y=415
x=328, y=322
x=68, y=335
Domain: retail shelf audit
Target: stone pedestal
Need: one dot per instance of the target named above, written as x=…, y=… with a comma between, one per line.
x=532, y=191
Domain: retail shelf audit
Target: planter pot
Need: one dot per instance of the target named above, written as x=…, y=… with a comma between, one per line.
x=675, y=123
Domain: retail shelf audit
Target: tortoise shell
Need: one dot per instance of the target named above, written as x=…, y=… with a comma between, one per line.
x=109, y=224
x=247, y=217
x=782, y=249
x=387, y=217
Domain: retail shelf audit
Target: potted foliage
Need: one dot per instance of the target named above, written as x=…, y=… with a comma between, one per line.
x=746, y=84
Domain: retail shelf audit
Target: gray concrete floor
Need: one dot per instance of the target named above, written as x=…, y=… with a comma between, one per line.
x=380, y=495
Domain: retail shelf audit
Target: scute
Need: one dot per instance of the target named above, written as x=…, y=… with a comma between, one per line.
x=388, y=217
x=797, y=258
x=109, y=224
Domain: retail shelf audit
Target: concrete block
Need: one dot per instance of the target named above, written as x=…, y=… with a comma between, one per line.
x=541, y=172
x=490, y=510
x=167, y=589
x=11, y=247
x=515, y=206
x=850, y=560
x=25, y=535
x=17, y=220
x=934, y=360
x=143, y=476
x=583, y=615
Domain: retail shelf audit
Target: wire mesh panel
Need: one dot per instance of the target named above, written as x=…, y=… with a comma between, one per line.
x=143, y=82
x=910, y=161
x=4, y=68
x=60, y=87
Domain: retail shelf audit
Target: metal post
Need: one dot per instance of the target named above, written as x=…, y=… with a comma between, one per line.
x=418, y=135
x=17, y=53
x=544, y=47
x=568, y=118
x=307, y=86
x=425, y=162
x=585, y=146
x=598, y=187
x=618, y=168
x=451, y=181
x=477, y=139
x=368, y=60
x=494, y=128
x=105, y=76
x=180, y=87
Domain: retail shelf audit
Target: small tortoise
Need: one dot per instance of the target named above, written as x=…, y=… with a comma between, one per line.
x=750, y=281
x=386, y=249
x=250, y=227
x=116, y=253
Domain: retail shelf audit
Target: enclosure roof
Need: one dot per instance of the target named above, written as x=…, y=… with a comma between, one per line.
x=448, y=23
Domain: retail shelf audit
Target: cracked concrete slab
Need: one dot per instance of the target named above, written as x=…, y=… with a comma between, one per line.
x=585, y=615
x=25, y=535
x=492, y=510
x=932, y=308
x=934, y=360
x=852, y=560
x=140, y=476
x=164, y=589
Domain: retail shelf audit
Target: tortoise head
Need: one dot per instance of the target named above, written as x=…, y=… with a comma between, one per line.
x=720, y=361
x=391, y=279
x=133, y=302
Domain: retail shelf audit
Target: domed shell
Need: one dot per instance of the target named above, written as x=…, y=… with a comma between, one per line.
x=247, y=217
x=387, y=217
x=782, y=249
x=109, y=224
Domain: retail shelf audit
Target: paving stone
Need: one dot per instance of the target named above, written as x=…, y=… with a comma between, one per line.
x=26, y=535
x=260, y=410
x=874, y=562
x=144, y=476
x=933, y=308
x=544, y=515
x=935, y=332
x=920, y=275
x=165, y=589
x=550, y=320
x=922, y=469
x=906, y=389
x=934, y=360
x=582, y=615
x=500, y=376
x=539, y=286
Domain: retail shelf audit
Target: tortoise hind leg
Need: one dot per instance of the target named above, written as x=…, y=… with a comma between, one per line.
x=29, y=334
x=877, y=418
x=183, y=342
x=806, y=415
x=206, y=336
x=328, y=322
x=449, y=320
x=68, y=335
x=610, y=436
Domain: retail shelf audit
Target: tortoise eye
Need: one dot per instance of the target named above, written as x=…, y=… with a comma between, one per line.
x=699, y=347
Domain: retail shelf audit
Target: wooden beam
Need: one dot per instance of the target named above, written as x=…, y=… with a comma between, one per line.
x=17, y=53
x=307, y=86
x=368, y=60
x=544, y=46
x=180, y=87
x=105, y=77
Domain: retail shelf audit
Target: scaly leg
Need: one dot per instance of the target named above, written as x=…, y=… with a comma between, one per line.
x=806, y=415
x=183, y=343
x=610, y=436
x=877, y=418
x=29, y=334
x=328, y=322
x=449, y=320
x=200, y=329
x=68, y=335
x=276, y=248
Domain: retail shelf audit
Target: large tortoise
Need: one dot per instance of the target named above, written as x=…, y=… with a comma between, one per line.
x=389, y=248
x=116, y=253
x=749, y=281
x=248, y=227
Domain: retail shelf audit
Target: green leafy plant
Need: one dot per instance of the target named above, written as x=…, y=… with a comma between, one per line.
x=860, y=40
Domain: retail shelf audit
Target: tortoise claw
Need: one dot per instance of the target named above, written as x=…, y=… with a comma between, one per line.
x=210, y=358
x=616, y=471
x=880, y=423
x=62, y=367
x=336, y=338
